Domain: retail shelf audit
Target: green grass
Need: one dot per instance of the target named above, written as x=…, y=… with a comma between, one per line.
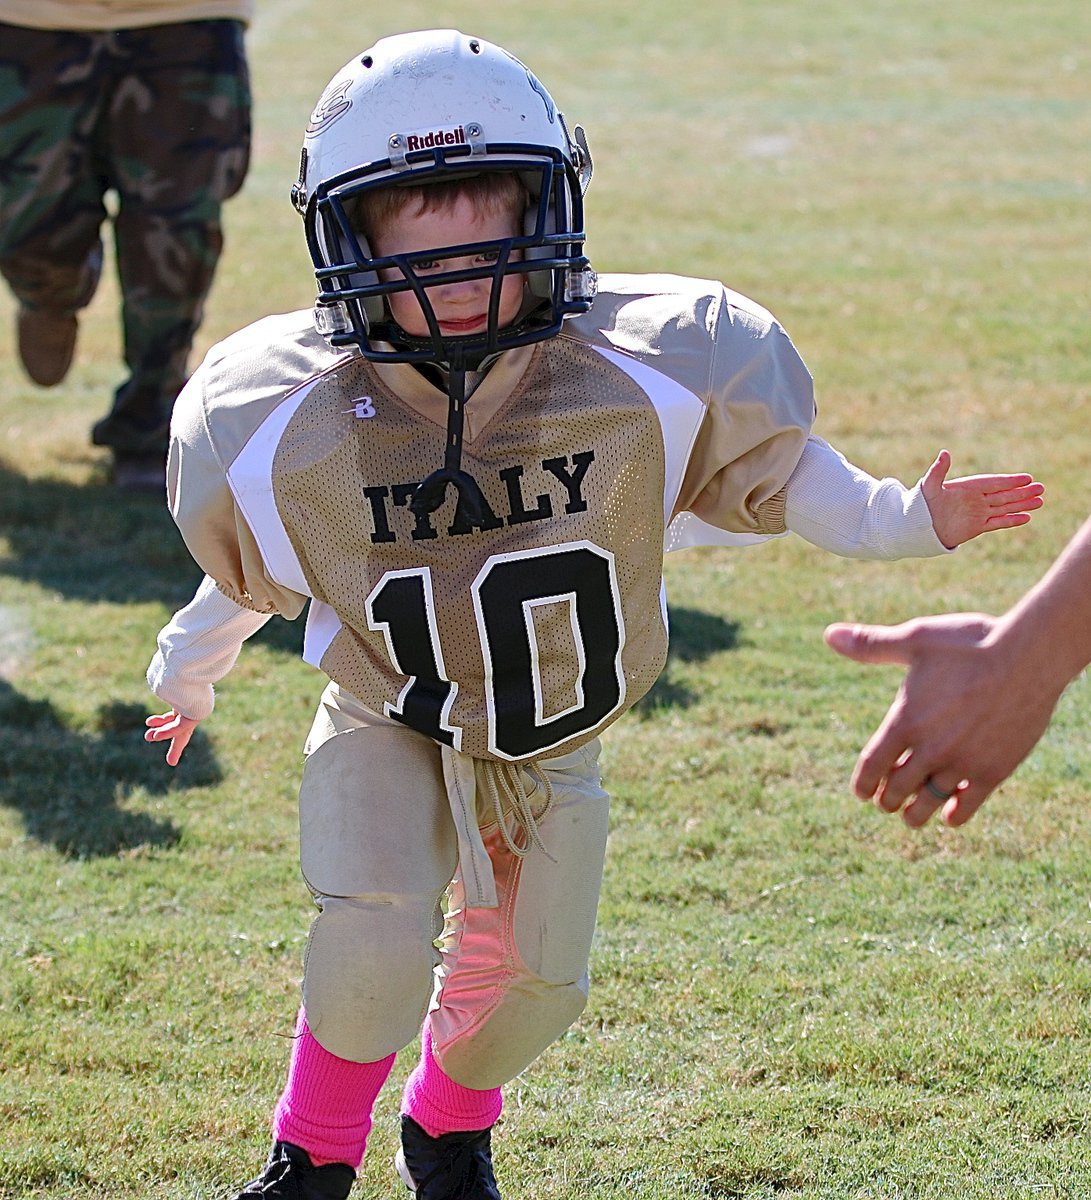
x=793, y=996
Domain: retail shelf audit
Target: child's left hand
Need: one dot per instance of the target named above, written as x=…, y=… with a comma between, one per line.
x=963, y=508
x=170, y=727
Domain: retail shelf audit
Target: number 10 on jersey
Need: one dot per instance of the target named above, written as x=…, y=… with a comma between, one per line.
x=510, y=589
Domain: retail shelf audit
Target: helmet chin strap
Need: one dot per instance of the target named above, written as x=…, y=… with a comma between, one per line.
x=430, y=494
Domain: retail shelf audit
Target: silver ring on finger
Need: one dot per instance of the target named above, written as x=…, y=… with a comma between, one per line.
x=937, y=792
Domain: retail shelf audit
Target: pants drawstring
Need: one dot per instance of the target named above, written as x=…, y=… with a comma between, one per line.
x=503, y=782
x=508, y=777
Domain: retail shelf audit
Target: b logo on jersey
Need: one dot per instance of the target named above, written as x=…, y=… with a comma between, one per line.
x=364, y=408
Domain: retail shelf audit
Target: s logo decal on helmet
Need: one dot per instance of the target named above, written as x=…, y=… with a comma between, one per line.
x=333, y=103
x=432, y=107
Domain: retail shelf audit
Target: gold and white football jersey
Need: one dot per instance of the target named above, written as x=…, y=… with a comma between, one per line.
x=673, y=413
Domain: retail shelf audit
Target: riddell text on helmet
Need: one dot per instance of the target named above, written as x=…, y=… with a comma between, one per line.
x=437, y=137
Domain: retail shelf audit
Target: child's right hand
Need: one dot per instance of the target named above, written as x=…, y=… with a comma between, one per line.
x=173, y=727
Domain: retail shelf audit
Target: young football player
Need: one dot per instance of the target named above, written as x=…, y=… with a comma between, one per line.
x=469, y=465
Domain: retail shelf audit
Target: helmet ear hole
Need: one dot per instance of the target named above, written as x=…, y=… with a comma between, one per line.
x=374, y=306
x=338, y=248
x=540, y=283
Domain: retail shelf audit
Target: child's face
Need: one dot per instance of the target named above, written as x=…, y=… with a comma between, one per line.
x=461, y=309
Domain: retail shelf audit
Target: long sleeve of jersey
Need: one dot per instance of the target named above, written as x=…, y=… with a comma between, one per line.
x=197, y=648
x=837, y=506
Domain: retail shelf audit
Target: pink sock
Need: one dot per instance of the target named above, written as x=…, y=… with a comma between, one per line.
x=326, y=1104
x=439, y=1105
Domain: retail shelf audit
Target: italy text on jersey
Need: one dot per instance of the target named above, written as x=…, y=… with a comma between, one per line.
x=570, y=470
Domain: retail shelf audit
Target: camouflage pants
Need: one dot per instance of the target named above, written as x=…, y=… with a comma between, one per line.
x=159, y=116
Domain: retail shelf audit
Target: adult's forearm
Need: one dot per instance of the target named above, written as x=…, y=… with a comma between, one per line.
x=1048, y=631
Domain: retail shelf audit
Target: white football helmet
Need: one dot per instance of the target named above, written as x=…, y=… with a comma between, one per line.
x=419, y=108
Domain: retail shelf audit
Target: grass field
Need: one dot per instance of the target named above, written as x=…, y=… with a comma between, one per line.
x=793, y=996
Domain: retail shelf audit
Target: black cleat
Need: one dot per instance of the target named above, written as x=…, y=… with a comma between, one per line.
x=455, y=1166
x=290, y=1175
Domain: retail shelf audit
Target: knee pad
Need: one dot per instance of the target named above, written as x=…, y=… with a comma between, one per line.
x=530, y=1017
x=368, y=974
x=377, y=848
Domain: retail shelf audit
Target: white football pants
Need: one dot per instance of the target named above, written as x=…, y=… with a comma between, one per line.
x=380, y=846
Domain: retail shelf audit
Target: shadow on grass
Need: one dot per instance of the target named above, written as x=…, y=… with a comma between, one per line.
x=93, y=543
x=281, y=635
x=695, y=636
x=70, y=787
